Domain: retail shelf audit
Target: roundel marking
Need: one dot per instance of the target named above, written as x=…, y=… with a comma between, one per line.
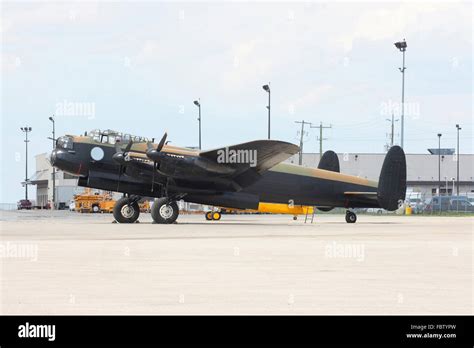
x=97, y=153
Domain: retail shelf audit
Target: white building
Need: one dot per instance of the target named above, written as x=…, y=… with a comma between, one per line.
x=66, y=184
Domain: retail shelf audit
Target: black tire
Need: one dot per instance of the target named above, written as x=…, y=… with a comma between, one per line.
x=164, y=212
x=208, y=215
x=216, y=216
x=95, y=209
x=124, y=212
x=351, y=217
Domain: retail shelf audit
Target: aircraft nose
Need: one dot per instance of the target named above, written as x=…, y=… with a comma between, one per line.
x=52, y=158
x=66, y=161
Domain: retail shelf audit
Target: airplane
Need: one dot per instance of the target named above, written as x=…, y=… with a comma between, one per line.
x=240, y=176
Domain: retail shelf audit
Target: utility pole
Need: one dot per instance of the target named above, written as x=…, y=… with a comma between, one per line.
x=321, y=127
x=267, y=89
x=54, y=169
x=26, y=130
x=303, y=122
x=458, y=159
x=439, y=164
x=198, y=104
x=402, y=46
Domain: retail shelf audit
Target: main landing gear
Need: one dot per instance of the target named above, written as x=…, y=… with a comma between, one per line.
x=351, y=217
x=164, y=211
x=126, y=210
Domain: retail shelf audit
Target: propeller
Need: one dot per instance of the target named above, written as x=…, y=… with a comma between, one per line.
x=121, y=157
x=155, y=155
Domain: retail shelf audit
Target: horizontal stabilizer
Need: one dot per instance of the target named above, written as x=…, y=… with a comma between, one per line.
x=361, y=199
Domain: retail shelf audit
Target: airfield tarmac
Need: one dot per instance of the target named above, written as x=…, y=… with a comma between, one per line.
x=69, y=263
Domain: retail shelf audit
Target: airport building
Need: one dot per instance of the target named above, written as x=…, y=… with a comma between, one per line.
x=422, y=174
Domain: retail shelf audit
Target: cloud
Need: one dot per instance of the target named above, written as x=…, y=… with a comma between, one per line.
x=394, y=21
x=312, y=97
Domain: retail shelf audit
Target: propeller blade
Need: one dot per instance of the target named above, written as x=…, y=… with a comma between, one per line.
x=129, y=146
x=153, y=176
x=162, y=142
x=119, y=175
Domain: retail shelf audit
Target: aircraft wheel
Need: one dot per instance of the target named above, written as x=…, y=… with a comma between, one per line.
x=216, y=216
x=126, y=212
x=351, y=217
x=208, y=215
x=164, y=212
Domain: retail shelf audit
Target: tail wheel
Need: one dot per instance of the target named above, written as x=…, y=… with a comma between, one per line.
x=216, y=216
x=125, y=211
x=208, y=216
x=164, y=212
x=351, y=217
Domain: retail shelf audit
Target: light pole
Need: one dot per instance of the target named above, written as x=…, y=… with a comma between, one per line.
x=458, y=159
x=26, y=130
x=267, y=89
x=53, y=206
x=402, y=46
x=198, y=104
x=439, y=164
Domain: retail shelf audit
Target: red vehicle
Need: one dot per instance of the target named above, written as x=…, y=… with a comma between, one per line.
x=24, y=204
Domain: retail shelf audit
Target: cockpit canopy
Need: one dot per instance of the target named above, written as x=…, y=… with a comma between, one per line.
x=110, y=136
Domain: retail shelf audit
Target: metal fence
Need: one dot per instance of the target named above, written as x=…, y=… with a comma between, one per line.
x=440, y=204
x=8, y=206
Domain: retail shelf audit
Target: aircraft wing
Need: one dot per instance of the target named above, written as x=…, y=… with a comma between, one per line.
x=261, y=155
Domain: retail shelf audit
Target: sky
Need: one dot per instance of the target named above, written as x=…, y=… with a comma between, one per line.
x=136, y=67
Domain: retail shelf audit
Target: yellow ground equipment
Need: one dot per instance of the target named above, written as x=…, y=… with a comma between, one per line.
x=273, y=208
x=94, y=202
x=276, y=208
x=145, y=206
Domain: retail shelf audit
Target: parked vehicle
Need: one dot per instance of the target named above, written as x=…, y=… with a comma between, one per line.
x=93, y=202
x=416, y=205
x=449, y=203
x=461, y=204
x=378, y=211
x=24, y=204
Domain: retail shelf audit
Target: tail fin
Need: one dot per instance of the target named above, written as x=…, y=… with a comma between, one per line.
x=393, y=179
x=329, y=161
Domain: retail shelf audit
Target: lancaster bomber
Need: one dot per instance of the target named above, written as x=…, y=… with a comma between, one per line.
x=240, y=176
